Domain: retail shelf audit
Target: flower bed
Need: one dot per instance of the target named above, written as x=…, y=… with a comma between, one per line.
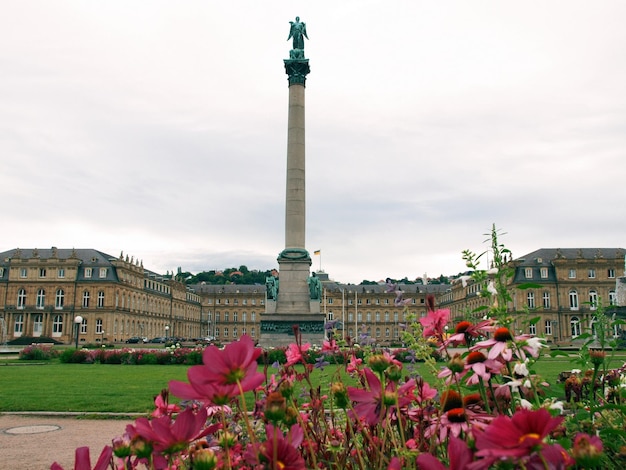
x=488, y=409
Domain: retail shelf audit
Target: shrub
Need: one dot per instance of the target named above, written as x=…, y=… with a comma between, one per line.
x=75, y=356
x=38, y=352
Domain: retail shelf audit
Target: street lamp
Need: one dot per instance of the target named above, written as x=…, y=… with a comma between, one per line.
x=167, y=328
x=77, y=321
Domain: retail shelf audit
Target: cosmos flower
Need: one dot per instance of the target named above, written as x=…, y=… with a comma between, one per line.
x=372, y=404
x=83, y=462
x=434, y=322
x=518, y=436
x=459, y=454
x=163, y=408
x=295, y=352
x=168, y=436
x=222, y=374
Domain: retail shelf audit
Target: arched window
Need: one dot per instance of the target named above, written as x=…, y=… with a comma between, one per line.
x=59, y=300
x=575, y=326
x=593, y=299
x=573, y=300
x=41, y=298
x=21, y=298
x=57, y=325
x=612, y=298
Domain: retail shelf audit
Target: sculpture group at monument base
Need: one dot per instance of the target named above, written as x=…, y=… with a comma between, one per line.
x=278, y=330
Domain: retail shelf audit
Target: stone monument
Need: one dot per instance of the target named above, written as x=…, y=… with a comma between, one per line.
x=295, y=300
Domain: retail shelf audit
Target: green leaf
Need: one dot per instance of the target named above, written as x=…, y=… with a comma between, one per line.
x=529, y=285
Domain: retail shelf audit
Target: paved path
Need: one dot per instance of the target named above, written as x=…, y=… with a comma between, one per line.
x=35, y=442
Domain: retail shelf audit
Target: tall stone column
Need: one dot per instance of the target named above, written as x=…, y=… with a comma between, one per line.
x=291, y=304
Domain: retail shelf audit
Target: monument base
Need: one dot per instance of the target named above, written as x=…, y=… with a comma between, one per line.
x=278, y=330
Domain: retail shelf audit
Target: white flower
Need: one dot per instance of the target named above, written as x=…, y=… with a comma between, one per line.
x=520, y=369
x=526, y=404
x=554, y=405
x=576, y=371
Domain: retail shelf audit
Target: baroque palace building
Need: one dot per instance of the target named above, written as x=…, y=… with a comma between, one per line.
x=562, y=287
x=43, y=291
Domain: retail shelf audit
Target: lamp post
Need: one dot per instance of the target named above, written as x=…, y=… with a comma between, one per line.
x=77, y=321
x=167, y=328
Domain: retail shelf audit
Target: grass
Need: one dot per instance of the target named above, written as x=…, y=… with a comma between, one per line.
x=102, y=388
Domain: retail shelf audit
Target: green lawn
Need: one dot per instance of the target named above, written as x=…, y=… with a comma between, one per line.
x=131, y=389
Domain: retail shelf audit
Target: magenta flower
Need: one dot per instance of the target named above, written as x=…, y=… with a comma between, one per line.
x=222, y=374
x=372, y=405
x=518, y=436
x=295, y=353
x=169, y=437
x=459, y=454
x=83, y=462
x=466, y=332
x=434, y=323
x=498, y=345
x=163, y=408
x=278, y=451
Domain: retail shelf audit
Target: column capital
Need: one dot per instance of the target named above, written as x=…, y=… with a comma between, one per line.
x=297, y=69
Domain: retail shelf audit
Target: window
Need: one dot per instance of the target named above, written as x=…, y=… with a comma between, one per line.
x=329, y=300
x=369, y=317
x=86, y=299
x=377, y=317
x=573, y=300
x=593, y=299
x=217, y=317
x=23, y=273
x=368, y=301
x=546, y=300
x=1, y=272
x=83, y=326
x=387, y=317
x=359, y=301
x=548, y=325
x=387, y=332
x=57, y=325
x=18, y=327
x=610, y=273
x=395, y=317
x=377, y=332
x=103, y=273
x=99, y=329
x=612, y=298
x=530, y=299
x=217, y=332
x=41, y=299
x=234, y=332
x=543, y=272
x=225, y=331
x=61, y=273
x=100, y=299
x=88, y=272
x=226, y=319
x=235, y=317
x=350, y=316
x=360, y=316
x=21, y=298
x=253, y=317
x=59, y=299
x=42, y=272
x=591, y=273
x=572, y=274
x=330, y=316
x=37, y=324
x=532, y=329
x=244, y=317
x=575, y=326
x=528, y=273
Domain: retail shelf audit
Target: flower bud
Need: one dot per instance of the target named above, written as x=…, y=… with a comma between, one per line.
x=378, y=362
x=340, y=394
x=394, y=373
x=275, y=406
x=456, y=364
x=587, y=450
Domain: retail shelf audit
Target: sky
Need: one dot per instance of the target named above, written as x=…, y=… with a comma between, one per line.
x=159, y=129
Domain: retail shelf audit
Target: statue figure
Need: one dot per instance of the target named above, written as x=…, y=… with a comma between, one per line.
x=315, y=287
x=298, y=33
x=271, y=286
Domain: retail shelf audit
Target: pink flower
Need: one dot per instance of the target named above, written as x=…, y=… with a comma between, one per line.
x=278, y=451
x=459, y=454
x=499, y=345
x=163, y=408
x=83, y=462
x=518, y=437
x=169, y=437
x=294, y=353
x=353, y=364
x=222, y=374
x=329, y=346
x=434, y=323
x=372, y=405
x=466, y=332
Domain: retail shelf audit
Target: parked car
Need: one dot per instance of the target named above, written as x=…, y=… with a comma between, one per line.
x=159, y=339
x=206, y=340
x=134, y=339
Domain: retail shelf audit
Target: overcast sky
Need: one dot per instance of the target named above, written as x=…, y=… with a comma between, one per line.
x=159, y=129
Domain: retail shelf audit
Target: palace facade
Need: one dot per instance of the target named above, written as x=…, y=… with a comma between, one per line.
x=42, y=292
x=562, y=287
